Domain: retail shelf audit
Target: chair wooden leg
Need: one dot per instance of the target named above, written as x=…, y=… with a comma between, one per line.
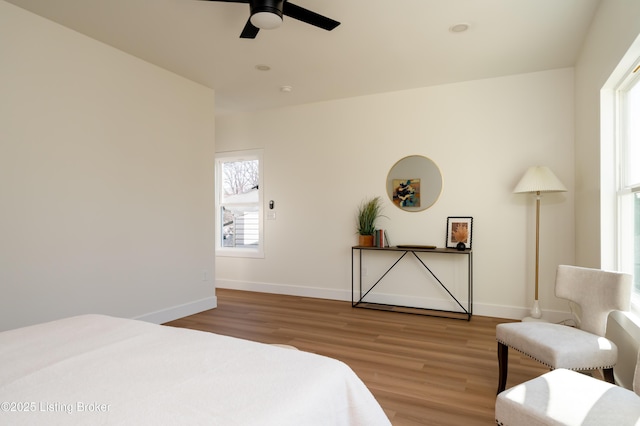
x=503, y=363
x=608, y=375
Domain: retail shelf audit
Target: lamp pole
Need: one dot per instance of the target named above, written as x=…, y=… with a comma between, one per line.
x=535, y=310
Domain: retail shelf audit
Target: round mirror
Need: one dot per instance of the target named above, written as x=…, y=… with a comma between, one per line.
x=414, y=183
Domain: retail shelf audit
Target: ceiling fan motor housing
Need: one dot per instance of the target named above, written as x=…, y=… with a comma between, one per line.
x=269, y=6
x=266, y=14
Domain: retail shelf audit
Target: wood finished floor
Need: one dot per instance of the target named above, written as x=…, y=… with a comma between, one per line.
x=422, y=370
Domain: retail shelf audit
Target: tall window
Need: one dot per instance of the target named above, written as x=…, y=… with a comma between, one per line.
x=239, y=204
x=628, y=187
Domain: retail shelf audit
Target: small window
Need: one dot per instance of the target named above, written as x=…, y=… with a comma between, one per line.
x=239, y=204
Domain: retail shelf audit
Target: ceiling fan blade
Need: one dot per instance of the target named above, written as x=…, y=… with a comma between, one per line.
x=249, y=30
x=312, y=18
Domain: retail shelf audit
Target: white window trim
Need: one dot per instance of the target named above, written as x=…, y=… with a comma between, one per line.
x=622, y=186
x=611, y=169
x=230, y=156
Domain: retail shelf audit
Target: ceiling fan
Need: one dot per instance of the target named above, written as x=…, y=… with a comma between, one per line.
x=267, y=14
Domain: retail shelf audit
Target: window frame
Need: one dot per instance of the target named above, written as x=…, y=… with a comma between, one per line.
x=625, y=191
x=228, y=157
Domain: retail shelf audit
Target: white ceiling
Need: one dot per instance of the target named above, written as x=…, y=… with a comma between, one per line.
x=380, y=46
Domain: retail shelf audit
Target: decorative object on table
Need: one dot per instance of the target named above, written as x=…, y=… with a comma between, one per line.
x=380, y=239
x=406, y=192
x=368, y=213
x=459, y=232
x=416, y=246
x=538, y=179
x=414, y=183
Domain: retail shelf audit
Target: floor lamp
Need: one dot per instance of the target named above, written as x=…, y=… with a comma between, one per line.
x=538, y=179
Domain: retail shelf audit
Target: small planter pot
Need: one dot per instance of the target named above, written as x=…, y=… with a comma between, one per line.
x=365, y=240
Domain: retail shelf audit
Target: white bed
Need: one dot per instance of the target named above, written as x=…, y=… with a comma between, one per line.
x=94, y=369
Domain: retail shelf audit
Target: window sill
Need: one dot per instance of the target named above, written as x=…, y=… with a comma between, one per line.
x=242, y=253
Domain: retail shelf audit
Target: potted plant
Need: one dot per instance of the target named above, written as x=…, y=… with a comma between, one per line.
x=368, y=213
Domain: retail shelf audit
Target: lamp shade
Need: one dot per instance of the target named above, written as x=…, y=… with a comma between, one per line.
x=539, y=178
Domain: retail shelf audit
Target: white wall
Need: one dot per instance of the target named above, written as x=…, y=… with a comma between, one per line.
x=614, y=29
x=106, y=180
x=322, y=159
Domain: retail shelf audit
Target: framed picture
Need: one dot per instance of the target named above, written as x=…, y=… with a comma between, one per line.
x=459, y=230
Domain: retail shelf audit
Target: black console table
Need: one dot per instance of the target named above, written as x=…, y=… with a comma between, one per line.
x=465, y=312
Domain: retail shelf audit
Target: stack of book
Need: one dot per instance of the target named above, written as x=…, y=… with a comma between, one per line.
x=380, y=238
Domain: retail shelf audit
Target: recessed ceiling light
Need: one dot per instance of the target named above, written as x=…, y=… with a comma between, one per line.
x=286, y=89
x=459, y=28
x=263, y=67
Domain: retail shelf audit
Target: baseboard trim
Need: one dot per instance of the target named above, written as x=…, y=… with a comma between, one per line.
x=290, y=290
x=179, y=311
x=486, y=310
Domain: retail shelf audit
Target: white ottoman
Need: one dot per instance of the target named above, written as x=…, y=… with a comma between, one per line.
x=565, y=397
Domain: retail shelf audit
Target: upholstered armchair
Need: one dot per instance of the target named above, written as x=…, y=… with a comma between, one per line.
x=596, y=293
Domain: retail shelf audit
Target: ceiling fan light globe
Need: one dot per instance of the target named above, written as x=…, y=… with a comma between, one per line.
x=266, y=20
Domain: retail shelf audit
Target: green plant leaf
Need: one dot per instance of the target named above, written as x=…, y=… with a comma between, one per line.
x=368, y=212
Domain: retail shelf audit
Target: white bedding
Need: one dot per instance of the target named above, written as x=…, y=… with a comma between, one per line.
x=95, y=369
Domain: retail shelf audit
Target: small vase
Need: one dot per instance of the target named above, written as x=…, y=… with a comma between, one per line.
x=461, y=246
x=365, y=240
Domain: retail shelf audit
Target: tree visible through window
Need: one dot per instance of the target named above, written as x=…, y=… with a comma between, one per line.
x=239, y=199
x=240, y=225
